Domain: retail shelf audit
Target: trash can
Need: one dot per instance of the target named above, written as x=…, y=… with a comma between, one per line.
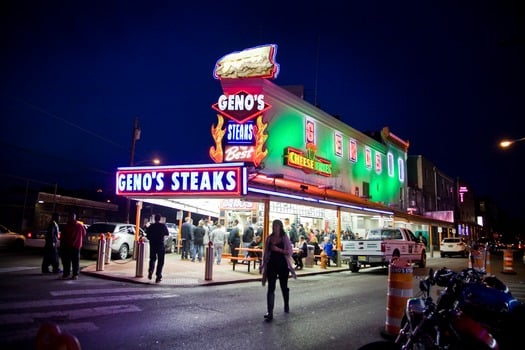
x=309, y=260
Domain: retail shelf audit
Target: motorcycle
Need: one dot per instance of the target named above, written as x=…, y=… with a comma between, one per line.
x=473, y=311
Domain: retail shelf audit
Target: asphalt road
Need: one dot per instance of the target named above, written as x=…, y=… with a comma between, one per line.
x=332, y=311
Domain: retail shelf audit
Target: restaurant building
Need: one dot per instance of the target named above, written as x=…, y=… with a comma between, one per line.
x=276, y=156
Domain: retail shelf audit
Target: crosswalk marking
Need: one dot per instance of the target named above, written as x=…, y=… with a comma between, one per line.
x=75, y=314
x=59, y=293
x=73, y=301
x=32, y=331
x=20, y=320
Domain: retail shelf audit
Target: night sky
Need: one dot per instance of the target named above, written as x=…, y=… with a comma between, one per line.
x=446, y=75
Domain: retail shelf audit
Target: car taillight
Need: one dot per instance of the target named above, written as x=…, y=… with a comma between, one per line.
x=383, y=245
x=29, y=235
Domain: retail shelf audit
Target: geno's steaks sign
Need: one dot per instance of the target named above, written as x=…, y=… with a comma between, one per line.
x=182, y=180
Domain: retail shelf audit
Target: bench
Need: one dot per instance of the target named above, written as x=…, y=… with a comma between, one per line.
x=249, y=259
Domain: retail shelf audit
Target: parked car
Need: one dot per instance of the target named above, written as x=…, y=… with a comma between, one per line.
x=36, y=239
x=10, y=239
x=453, y=246
x=171, y=240
x=122, y=236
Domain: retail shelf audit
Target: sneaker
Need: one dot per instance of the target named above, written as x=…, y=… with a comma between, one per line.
x=74, y=277
x=158, y=279
x=149, y=275
x=64, y=277
x=58, y=271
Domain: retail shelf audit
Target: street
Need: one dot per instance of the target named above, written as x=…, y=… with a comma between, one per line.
x=332, y=311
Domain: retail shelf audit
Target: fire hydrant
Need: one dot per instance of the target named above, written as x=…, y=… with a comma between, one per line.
x=324, y=260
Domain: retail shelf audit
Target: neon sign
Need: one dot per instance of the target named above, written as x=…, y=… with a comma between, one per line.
x=242, y=137
x=462, y=191
x=309, y=163
x=169, y=181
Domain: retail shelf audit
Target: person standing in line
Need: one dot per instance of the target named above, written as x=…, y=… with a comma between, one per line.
x=234, y=239
x=186, y=236
x=277, y=264
x=156, y=233
x=70, y=245
x=50, y=247
x=247, y=238
x=198, y=241
x=217, y=237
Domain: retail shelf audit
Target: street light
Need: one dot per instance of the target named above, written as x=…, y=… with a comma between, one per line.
x=507, y=143
x=154, y=161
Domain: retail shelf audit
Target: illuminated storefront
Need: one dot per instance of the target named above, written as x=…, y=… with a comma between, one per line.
x=277, y=156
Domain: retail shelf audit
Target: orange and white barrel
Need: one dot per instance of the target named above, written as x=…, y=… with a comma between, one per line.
x=400, y=289
x=508, y=261
x=477, y=260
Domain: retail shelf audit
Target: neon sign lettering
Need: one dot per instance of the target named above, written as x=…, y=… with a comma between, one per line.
x=239, y=132
x=240, y=102
x=239, y=153
x=296, y=158
x=181, y=181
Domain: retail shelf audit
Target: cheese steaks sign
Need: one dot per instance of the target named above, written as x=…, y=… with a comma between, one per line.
x=182, y=181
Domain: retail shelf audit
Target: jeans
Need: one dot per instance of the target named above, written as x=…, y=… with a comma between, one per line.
x=198, y=250
x=217, y=247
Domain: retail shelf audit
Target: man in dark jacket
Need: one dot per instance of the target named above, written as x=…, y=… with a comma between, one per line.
x=50, y=248
x=156, y=233
x=198, y=241
x=234, y=239
x=187, y=237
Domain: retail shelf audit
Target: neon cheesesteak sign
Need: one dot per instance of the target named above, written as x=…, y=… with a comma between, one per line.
x=181, y=181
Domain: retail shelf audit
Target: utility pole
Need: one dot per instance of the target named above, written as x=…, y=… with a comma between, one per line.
x=135, y=136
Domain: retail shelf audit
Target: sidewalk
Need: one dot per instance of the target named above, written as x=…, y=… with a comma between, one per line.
x=177, y=272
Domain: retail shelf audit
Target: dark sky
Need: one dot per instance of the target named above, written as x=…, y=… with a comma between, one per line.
x=446, y=75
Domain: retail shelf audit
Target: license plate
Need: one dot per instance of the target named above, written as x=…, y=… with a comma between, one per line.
x=361, y=258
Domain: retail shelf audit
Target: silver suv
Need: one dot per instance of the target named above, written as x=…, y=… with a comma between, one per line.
x=171, y=240
x=122, y=235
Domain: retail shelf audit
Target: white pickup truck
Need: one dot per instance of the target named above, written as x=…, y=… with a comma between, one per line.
x=380, y=246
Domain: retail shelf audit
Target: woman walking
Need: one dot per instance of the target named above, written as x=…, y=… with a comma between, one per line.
x=277, y=264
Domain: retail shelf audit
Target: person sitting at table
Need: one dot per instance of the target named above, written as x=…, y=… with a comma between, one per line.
x=256, y=243
x=301, y=253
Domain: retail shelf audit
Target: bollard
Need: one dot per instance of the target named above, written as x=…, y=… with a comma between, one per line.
x=107, y=256
x=208, y=268
x=508, y=260
x=101, y=252
x=400, y=289
x=139, y=272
